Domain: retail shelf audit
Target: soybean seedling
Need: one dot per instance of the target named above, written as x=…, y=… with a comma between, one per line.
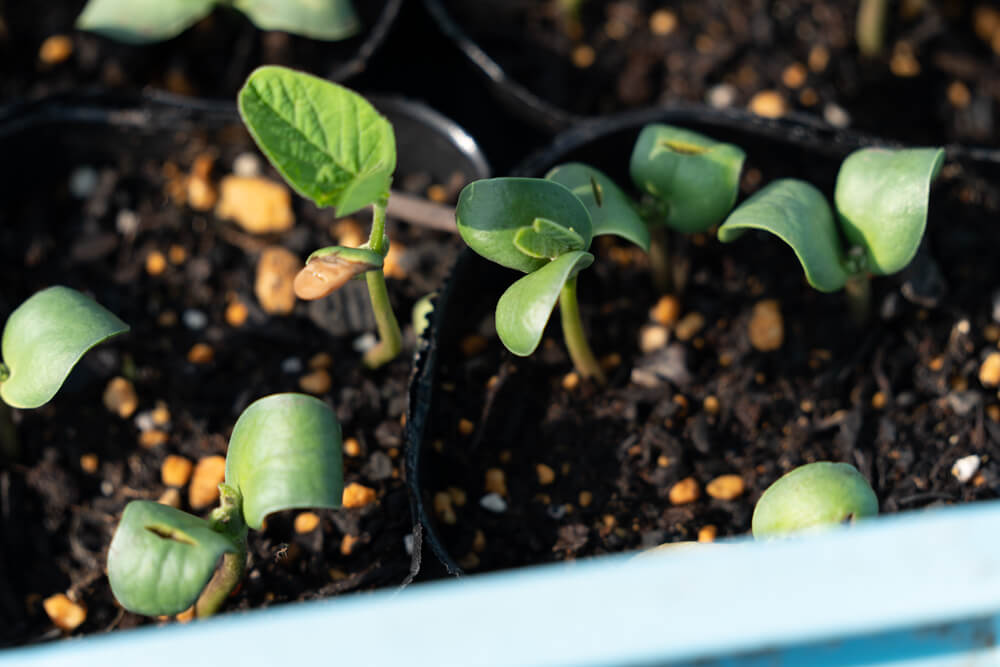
x=284, y=453
x=811, y=496
x=690, y=182
x=881, y=199
x=145, y=21
x=544, y=228
x=333, y=147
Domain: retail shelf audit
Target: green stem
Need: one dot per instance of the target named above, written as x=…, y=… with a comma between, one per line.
x=226, y=519
x=576, y=340
x=659, y=258
x=390, y=337
x=869, y=31
x=859, y=297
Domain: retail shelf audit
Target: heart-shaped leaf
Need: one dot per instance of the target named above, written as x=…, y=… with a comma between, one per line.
x=491, y=212
x=797, y=213
x=285, y=453
x=327, y=141
x=525, y=308
x=44, y=338
x=882, y=198
x=545, y=239
x=329, y=269
x=161, y=558
x=328, y=20
x=697, y=177
x=142, y=21
x=611, y=210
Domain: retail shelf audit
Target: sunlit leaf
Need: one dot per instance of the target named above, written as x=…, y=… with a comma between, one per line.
x=285, y=453
x=161, y=558
x=45, y=337
x=319, y=19
x=611, y=210
x=142, y=21
x=798, y=214
x=525, y=308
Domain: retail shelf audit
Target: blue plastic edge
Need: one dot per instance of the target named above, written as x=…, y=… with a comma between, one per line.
x=921, y=588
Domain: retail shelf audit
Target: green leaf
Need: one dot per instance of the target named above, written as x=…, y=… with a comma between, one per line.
x=161, y=558
x=45, y=337
x=798, y=214
x=525, y=308
x=142, y=21
x=697, y=177
x=318, y=19
x=882, y=198
x=813, y=495
x=491, y=212
x=545, y=239
x=285, y=453
x=611, y=210
x=328, y=142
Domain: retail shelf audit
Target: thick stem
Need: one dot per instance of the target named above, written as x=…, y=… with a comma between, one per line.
x=227, y=519
x=390, y=337
x=576, y=340
x=869, y=31
x=859, y=297
x=659, y=258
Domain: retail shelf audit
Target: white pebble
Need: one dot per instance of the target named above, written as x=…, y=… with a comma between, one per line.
x=127, y=222
x=364, y=342
x=83, y=181
x=107, y=488
x=493, y=502
x=835, y=115
x=408, y=543
x=194, y=319
x=721, y=96
x=246, y=165
x=291, y=365
x=144, y=421
x=965, y=468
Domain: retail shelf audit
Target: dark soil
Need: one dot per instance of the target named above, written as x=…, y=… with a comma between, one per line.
x=57, y=518
x=899, y=399
x=937, y=79
x=211, y=59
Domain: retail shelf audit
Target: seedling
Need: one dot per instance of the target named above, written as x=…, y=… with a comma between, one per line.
x=691, y=182
x=544, y=228
x=811, y=496
x=145, y=21
x=284, y=453
x=43, y=340
x=333, y=147
x=881, y=200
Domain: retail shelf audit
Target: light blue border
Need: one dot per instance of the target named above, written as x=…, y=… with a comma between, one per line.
x=883, y=592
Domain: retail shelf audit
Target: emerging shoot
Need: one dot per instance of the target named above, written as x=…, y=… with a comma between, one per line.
x=881, y=199
x=814, y=495
x=284, y=453
x=333, y=147
x=691, y=182
x=544, y=228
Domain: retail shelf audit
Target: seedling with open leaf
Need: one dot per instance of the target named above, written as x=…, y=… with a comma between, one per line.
x=284, y=453
x=812, y=496
x=544, y=228
x=333, y=147
x=881, y=199
x=691, y=182
x=144, y=21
